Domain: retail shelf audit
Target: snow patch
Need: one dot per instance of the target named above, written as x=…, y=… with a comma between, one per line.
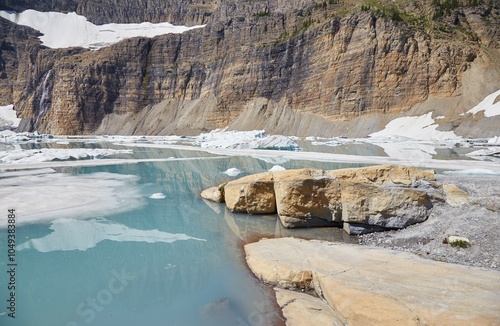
x=487, y=105
x=71, y=234
x=494, y=140
x=71, y=30
x=8, y=117
x=256, y=139
x=414, y=127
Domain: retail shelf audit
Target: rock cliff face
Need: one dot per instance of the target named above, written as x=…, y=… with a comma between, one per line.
x=262, y=64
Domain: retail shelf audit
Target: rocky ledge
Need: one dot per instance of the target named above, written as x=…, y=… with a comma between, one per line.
x=361, y=200
x=357, y=285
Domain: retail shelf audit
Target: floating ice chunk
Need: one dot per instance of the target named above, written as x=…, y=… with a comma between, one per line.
x=50, y=196
x=485, y=152
x=158, y=195
x=256, y=139
x=277, y=168
x=71, y=234
x=50, y=154
x=232, y=172
x=488, y=105
x=494, y=140
x=473, y=172
x=8, y=117
x=71, y=30
x=416, y=127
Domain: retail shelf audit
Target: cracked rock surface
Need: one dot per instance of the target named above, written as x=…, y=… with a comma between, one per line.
x=377, y=286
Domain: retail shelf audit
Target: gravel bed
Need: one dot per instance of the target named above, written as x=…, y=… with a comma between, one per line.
x=478, y=221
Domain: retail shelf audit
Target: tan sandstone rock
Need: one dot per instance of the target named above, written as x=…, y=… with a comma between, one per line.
x=388, y=207
x=215, y=194
x=382, y=174
x=307, y=198
x=253, y=194
x=302, y=309
x=373, y=286
x=454, y=195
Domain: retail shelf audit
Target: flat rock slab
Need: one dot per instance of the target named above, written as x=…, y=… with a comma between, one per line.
x=373, y=286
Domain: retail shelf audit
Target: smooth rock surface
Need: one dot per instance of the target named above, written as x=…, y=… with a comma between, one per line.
x=383, y=174
x=372, y=286
x=454, y=195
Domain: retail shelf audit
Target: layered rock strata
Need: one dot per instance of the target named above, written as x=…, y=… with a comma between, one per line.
x=263, y=64
x=361, y=200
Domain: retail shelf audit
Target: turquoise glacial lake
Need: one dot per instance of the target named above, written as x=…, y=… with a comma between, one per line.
x=170, y=260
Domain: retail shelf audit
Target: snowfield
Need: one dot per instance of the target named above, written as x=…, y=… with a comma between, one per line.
x=488, y=105
x=417, y=127
x=71, y=30
x=256, y=139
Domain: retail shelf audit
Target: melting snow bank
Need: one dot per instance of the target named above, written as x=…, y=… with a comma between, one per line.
x=70, y=30
x=256, y=139
x=488, y=105
x=416, y=127
x=51, y=154
x=51, y=196
x=69, y=234
x=8, y=117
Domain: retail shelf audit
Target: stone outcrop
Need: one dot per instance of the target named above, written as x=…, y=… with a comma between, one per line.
x=371, y=286
x=361, y=200
x=286, y=66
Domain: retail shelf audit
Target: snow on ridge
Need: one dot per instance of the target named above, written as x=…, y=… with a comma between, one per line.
x=62, y=30
x=490, y=109
x=256, y=139
x=8, y=117
x=415, y=127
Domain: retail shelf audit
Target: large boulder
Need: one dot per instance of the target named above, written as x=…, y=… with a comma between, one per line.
x=382, y=206
x=253, y=194
x=306, y=198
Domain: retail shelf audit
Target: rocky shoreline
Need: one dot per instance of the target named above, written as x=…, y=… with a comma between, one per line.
x=415, y=277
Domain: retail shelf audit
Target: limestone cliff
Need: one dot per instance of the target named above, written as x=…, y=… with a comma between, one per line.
x=294, y=67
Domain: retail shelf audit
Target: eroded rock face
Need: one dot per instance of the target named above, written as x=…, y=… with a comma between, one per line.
x=253, y=59
x=363, y=200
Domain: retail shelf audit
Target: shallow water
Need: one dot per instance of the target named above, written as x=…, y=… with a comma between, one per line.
x=159, y=262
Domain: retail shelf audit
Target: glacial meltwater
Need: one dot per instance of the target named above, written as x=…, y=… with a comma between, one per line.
x=134, y=244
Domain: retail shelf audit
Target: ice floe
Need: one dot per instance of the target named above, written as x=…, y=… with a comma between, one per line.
x=73, y=234
x=256, y=139
x=50, y=196
x=488, y=105
x=473, y=172
x=158, y=195
x=62, y=30
x=51, y=154
x=8, y=117
x=415, y=127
